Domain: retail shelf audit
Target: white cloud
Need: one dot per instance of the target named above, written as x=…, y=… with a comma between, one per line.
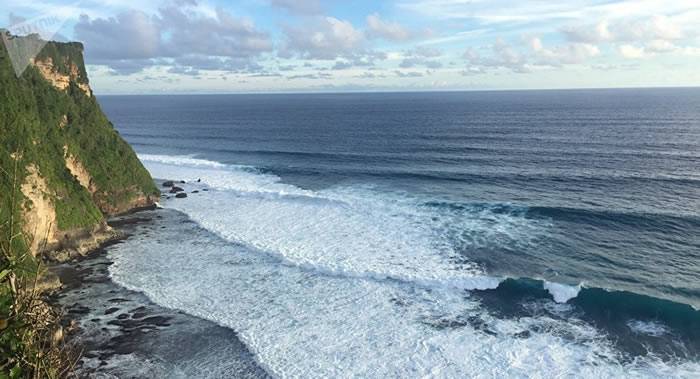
x=631, y=52
x=129, y=35
x=537, y=11
x=691, y=51
x=326, y=38
x=502, y=56
x=638, y=30
x=392, y=31
x=422, y=56
x=180, y=36
x=660, y=46
x=572, y=53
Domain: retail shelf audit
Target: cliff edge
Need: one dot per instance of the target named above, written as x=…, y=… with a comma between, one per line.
x=63, y=166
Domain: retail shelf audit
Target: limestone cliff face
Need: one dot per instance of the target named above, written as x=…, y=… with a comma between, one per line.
x=63, y=167
x=58, y=79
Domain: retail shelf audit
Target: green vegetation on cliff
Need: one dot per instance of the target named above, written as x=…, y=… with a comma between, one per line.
x=37, y=120
x=47, y=115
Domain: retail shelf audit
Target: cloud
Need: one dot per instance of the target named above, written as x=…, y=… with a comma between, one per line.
x=526, y=12
x=298, y=6
x=638, y=38
x=365, y=58
x=655, y=47
x=126, y=66
x=328, y=38
x=129, y=35
x=219, y=35
x=614, y=67
x=409, y=74
x=370, y=75
x=392, y=31
x=572, y=53
x=342, y=65
x=182, y=36
x=597, y=33
x=631, y=52
x=640, y=30
x=495, y=11
x=319, y=75
x=502, y=56
x=473, y=70
x=422, y=56
x=265, y=74
x=660, y=46
x=183, y=71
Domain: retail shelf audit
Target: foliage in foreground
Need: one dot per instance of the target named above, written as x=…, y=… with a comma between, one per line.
x=31, y=336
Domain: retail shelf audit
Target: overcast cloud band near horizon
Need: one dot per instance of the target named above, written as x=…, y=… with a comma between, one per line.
x=191, y=46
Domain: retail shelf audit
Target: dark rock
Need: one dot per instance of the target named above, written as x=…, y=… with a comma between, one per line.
x=195, y=191
x=157, y=320
x=111, y=310
x=205, y=190
x=181, y=195
x=78, y=309
x=169, y=183
x=176, y=189
x=199, y=180
x=182, y=182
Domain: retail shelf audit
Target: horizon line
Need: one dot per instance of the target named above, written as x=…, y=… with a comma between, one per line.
x=407, y=91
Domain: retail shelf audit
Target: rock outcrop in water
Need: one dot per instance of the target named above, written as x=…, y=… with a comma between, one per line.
x=64, y=167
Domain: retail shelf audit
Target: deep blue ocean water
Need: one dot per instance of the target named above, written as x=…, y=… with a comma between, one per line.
x=590, y=198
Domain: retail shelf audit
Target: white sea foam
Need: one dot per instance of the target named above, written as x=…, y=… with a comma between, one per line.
x=186, y=160
x=348, y=282
x=351, y=232
x=650, y=328
x=562, y=292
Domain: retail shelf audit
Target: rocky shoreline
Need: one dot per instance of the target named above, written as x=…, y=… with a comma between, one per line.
x=121, y=333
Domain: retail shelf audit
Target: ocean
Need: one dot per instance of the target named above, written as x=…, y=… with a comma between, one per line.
x=470, y=234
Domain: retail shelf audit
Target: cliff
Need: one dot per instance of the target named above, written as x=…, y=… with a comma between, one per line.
x=63, y=166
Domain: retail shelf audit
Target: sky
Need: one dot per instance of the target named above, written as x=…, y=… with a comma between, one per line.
x=216, y=46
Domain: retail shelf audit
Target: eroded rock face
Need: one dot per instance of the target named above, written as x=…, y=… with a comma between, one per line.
x=101, y=198
x=79, y=171
x=59, y=80
x=40, y=215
